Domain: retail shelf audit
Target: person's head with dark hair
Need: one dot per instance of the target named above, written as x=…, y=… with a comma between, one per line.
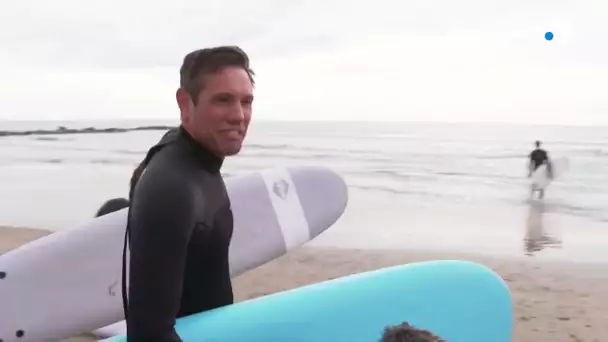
x=215, y=98
x=112, y=205
x=404, y=332
x=537, y=143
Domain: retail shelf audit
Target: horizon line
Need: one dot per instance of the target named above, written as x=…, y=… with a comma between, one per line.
x=265, y=120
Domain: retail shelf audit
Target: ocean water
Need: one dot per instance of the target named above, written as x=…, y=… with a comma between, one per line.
x=412, y=185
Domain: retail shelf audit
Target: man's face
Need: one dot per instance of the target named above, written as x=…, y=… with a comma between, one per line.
x=222, y=113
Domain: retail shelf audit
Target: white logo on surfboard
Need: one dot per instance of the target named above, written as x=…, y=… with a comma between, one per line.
x=288, y=209
x=281, y=188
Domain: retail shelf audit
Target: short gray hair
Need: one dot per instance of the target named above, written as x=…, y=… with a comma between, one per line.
x=207, y=61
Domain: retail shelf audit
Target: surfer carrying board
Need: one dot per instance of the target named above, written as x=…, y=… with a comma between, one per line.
x=180, y=220
x=537, y=158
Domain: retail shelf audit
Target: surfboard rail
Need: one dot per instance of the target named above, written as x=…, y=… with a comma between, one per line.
x=460, y=301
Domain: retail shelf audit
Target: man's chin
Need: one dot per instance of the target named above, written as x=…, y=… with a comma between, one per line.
x=232, y=150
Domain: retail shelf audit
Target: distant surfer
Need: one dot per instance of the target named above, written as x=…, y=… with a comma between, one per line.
x=180, y=219
x=404, y=332
x=537, y=158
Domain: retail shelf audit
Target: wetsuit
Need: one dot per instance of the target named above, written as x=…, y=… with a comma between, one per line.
x=538, y=157
x=180, y=226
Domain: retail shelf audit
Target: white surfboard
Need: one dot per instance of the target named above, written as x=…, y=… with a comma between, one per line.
x=541, y=179
x=70, y=282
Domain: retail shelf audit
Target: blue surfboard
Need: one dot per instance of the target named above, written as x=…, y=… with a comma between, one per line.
x=459, y=301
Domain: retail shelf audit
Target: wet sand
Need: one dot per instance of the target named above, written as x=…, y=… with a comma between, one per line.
x=557, y=301
x=532, y=229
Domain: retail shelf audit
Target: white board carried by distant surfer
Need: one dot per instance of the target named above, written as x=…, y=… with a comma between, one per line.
x=70, y=282
x=545, y=174
x=541, y=177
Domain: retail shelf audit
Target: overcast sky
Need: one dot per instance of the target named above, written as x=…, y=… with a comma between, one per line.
x=440, y=60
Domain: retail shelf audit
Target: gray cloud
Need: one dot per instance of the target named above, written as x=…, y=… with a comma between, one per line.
x=130, y=34
x=464, y=58
x=139, y=33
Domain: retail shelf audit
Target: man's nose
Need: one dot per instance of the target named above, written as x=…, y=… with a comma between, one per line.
x=237, y=113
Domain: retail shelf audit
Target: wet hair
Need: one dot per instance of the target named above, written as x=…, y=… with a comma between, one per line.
x=404, y=332
x=197, y=64
x=112, y=205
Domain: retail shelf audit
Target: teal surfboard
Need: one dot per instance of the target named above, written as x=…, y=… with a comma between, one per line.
x=459, y=301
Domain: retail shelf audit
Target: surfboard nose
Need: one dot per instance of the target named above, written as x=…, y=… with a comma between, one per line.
x=323, y=194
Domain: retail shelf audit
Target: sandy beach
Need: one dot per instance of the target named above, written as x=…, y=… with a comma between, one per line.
x=554, y=301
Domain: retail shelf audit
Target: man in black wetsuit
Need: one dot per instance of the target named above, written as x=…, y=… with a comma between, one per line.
x=180, y=221
x=537, y=158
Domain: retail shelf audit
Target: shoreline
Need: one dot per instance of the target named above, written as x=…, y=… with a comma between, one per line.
x=62, y=130
x=554, y=300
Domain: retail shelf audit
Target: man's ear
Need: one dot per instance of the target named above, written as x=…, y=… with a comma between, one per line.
x=185, y=104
